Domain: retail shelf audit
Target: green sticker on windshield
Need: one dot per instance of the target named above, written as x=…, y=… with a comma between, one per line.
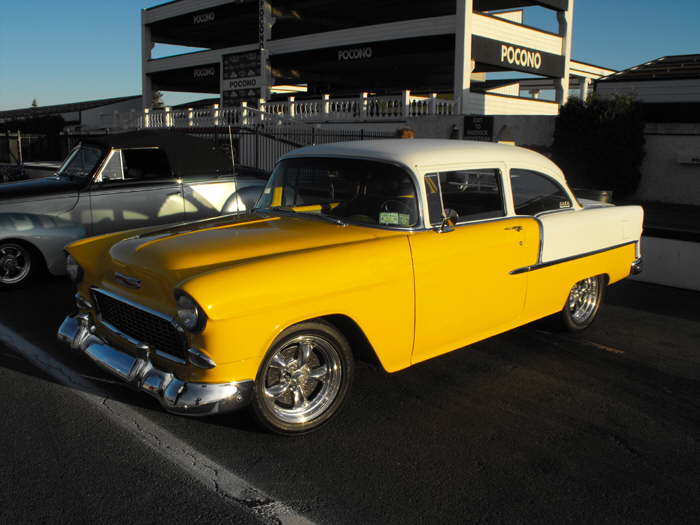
x=394, y=218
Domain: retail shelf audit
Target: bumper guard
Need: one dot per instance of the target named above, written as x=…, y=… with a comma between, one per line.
x=176, y=396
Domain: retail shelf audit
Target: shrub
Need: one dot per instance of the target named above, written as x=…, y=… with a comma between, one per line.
x=600, y=143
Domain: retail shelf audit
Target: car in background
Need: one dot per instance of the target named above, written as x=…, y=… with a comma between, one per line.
x=113, y=183
x=401, y=249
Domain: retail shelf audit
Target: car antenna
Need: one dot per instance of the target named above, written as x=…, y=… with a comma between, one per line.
x=233, y=163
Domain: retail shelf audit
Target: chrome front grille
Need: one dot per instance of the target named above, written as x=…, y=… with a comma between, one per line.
x=139, y=324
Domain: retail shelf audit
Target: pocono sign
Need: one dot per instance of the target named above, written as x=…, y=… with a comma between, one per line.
x=521, y=57
x=516, y=58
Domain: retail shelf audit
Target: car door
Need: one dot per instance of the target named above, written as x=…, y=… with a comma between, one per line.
x=135, y=188
x=464, y=287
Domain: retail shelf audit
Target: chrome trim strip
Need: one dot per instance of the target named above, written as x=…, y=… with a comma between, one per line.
x=131, y=282
x=200, y=359
x=567, y=259
x=166, y=355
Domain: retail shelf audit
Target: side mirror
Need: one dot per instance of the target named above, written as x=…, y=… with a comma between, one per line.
x=446, y=226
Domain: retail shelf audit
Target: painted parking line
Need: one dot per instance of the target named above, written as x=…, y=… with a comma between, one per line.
x=210, y=473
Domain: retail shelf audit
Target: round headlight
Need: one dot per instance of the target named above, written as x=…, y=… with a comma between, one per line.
x=75, y=272
x=189, y=315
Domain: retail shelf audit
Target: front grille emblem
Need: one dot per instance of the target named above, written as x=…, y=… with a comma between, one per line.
x=131, y=282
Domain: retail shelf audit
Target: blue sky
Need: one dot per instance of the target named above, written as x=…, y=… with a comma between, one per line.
x=68, y=51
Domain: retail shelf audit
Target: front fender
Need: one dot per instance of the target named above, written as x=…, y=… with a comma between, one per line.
x=248, y=305
x=46, y=233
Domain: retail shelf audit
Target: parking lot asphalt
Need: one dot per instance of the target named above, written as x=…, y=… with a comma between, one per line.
x=529, y=426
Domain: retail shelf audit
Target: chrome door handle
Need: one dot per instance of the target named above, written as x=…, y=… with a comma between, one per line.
x=516, y=228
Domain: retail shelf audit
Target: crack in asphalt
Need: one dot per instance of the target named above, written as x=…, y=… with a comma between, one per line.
x=622, y=442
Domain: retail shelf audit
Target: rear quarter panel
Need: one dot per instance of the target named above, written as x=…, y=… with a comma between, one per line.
x=578, y=244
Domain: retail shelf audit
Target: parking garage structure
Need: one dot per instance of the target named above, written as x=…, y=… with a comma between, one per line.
x=244, y=49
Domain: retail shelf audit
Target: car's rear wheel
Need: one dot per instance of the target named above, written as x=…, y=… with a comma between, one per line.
x=17, y=263
x=303, y=379
x=583, y=303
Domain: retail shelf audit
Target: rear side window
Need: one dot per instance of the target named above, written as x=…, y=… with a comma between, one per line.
x=535, y=192
x=147, y=164
x=467, y=195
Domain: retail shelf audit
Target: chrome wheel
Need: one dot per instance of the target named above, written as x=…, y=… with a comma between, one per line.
x=302, y=379
x=15, y=263
x=584, y=300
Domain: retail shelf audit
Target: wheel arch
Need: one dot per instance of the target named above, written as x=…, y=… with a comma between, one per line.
x=360, y=345
x=32, y=247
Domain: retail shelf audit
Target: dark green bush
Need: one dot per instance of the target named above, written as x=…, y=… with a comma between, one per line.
x=600, y=143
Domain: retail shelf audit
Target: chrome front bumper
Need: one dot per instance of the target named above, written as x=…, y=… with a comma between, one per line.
x=177, y=396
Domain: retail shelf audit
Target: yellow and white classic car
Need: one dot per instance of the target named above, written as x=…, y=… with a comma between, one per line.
x=352, y=247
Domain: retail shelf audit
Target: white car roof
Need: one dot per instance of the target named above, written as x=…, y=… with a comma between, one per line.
x=419, y=153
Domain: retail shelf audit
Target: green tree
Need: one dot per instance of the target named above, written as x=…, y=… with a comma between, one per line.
x=34, y=104
x=600, y=143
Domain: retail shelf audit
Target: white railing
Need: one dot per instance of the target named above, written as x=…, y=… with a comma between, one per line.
x=364, y=108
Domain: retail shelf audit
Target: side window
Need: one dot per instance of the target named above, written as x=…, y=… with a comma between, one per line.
x=467, y=195
x=113, y=170
x=535, y=192
x=146, y=164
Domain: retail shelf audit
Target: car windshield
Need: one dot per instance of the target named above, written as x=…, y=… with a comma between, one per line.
x=343, y=190
x=81, y=162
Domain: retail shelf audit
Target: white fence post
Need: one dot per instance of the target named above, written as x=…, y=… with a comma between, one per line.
x=406, y=103
x=146, y=118
x=262, y=107
x=363, y=105
x=132, y=119
x=190, y=117
x=291, y=108
x=326, y=105
x=168, y=117
x=244, y=113
x=215, y=113
x=432, y=105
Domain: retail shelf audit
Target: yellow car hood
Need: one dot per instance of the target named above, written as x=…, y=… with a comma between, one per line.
x=195, y=247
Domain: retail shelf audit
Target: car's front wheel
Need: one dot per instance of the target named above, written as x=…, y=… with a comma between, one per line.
x=304, y=378
x=17, y=263
x=583, y=303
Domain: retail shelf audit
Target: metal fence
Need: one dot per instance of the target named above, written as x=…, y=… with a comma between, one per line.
x=16, y=148
x=259, y=147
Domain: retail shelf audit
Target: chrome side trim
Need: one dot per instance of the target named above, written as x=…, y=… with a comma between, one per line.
x=175, y=395
x=567, y=259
